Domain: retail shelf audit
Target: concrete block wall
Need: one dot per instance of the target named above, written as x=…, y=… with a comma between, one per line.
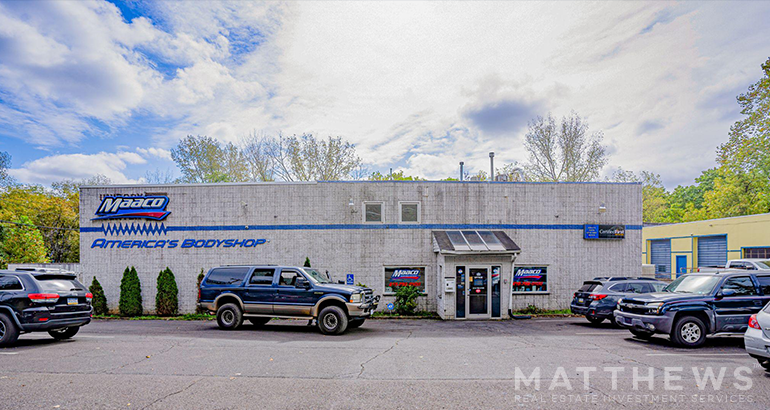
x=316, y=220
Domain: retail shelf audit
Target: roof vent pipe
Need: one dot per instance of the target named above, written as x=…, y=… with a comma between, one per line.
x=491, y=166
x=461, y=170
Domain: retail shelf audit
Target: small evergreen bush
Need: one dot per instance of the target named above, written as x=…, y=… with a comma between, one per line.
x=406, y=299
x=130, y=303
x=99, y=301
x=167, y=298
x=307, y=262
x=201, y=275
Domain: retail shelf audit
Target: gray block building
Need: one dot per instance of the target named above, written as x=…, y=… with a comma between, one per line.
x=475, y=249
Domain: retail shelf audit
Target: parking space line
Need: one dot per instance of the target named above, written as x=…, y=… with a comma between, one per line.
x=95, y=337
x=596, y=334
x=9, y=353
x=697, y=354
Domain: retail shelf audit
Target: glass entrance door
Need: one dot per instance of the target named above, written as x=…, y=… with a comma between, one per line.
x=477, y=294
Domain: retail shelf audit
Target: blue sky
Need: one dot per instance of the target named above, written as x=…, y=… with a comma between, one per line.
x=96, y=87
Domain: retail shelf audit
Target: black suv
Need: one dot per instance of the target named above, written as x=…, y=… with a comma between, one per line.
x=42, y=300
x=696, y=305
x=597, y=298
x=259, y=293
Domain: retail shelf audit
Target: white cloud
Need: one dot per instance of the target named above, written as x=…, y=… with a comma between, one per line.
x=416, y=85
x=77, y=167
x=155, y=152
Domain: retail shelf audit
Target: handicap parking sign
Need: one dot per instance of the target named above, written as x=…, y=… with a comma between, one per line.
x=350, y=280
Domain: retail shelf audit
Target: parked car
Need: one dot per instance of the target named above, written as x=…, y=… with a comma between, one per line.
x=696, y=305
x=598, y=298
x=744, y=264
x=757, y=337
x=259, y=293
x=42, y=301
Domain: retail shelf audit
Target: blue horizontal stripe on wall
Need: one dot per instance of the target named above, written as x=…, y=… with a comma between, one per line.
x=362, y=226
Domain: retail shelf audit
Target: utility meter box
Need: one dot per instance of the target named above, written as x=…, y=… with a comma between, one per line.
x=449, y=285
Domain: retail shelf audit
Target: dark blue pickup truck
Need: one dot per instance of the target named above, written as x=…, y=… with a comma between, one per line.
x=696, y=305
x=259, y=293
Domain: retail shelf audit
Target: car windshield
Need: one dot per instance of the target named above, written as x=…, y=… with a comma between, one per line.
x=316, y=276
x=700, y=285
x=763, y=264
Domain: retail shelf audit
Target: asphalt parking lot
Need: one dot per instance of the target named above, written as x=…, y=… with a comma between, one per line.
x=389, y=364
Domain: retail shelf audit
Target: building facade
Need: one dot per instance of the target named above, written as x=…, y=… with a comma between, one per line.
x=675, y=249
x=476, y=249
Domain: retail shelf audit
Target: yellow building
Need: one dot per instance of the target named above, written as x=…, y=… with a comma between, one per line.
x=683, y=247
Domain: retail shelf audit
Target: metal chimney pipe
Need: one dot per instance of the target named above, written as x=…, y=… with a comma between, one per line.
x=461, y=170
x=491, y=166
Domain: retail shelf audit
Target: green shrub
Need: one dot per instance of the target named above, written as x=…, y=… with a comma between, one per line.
x=99, y=301
x=307, y=262
x=130, y=303
x=406, y=299
x=167, y=298
x=198, y=309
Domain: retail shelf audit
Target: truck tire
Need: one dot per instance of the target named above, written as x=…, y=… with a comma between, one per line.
x=64, y=333
x=640, y=334
x=9, y=333
x=355, y=323
x=765, y=364
x=229, y=316
x=259, y=321
x=332, y=320
x=689, y=331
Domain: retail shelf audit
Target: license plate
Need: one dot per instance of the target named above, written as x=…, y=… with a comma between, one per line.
x=580, y=300
x=72, y=301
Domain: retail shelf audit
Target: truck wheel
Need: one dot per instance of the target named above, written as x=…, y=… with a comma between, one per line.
x=689, y=331
x=9, y=333
x=259, y=321
x=639, y=334
x=594, y=320
x=765, y=364
x=229, y=316
x=64, y=333
x=332, y=320
x=354, y=323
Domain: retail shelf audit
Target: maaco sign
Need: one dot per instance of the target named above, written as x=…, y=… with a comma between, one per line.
x=141, y=207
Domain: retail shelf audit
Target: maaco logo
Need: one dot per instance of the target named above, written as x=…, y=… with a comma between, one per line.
x=412, y=274
x=142, y=207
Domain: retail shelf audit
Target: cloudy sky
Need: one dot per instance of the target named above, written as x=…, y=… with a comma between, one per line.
x=98, y=87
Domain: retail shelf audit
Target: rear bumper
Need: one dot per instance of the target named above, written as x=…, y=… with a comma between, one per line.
x=362, y=309
x=602, y=312
x=207, y=306
x=56, y=324
x=41, y=319
x=757, y=344
x=645, y=323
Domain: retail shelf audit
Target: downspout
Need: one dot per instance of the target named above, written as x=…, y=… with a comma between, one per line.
x=510, y=288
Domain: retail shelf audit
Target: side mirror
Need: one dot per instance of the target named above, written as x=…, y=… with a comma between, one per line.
x=726, y=293
x=302, y=283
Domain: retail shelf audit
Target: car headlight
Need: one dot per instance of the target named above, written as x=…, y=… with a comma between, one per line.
x=356, y=298
x=619, y=302
x=655, y=307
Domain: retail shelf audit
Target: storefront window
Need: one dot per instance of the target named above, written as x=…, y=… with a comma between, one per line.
x=404, y=276
x=410, y=212
x=527, y=279
x=372, y=211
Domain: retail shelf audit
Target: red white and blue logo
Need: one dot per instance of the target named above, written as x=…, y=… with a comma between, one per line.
x=401, y=274
x=135, y=207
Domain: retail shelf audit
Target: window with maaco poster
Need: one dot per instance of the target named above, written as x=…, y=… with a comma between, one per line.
x=529, y=279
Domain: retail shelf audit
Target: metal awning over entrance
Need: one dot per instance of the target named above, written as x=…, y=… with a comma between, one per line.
x=473, y=242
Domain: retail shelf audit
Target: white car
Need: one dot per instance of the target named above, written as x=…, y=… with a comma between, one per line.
x=757, y=337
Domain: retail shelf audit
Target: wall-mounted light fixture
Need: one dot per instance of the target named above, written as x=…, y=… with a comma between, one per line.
x=602, y=208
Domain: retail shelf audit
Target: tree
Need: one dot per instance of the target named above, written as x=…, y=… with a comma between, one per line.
x=307, y=262
x=406, y=299
x=394, y=176
x=564, y=152
x=654, y=195
x=130, y=303
x=199, y=309
x=159, y=176
x=99, y=300
x=167, y=297
x=5, y=164
x=306, y=158
x=513, y=172
x=22, y=242
x=203, y=159
x=257, y=154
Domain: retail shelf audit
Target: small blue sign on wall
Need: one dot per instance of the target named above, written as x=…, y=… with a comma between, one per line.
x=591, y=232
x=350, y=280
x=390, y=306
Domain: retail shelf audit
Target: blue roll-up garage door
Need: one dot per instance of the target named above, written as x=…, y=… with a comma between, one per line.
x=712, y=251
x=660, y=256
